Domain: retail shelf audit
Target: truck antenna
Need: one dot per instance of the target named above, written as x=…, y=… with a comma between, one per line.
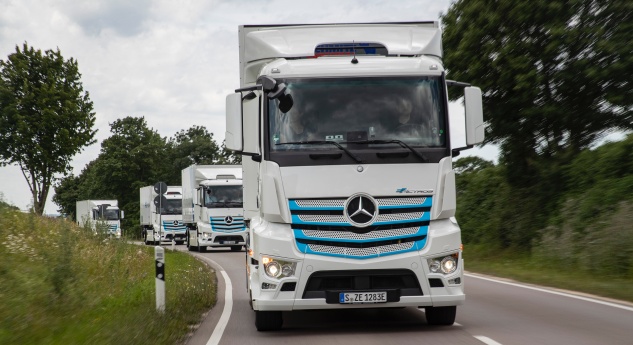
x=354, y=59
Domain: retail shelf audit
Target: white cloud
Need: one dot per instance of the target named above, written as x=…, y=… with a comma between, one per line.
x=172, y=62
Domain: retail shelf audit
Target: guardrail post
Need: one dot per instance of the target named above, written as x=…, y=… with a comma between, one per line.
x=159, y=258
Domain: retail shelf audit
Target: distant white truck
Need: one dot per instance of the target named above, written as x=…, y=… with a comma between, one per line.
x=100, y=215
x=212, y=207
x=161, y=220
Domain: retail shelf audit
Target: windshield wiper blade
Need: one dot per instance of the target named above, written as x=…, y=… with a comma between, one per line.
x=324, y=142
x=392, y=141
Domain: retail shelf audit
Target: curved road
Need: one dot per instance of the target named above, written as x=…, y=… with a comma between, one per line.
x=495, y=312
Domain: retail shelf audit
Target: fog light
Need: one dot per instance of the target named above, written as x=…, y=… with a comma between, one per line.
x=455, y=281
x=268, y=286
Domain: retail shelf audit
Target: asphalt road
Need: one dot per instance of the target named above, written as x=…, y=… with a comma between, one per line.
x=495, y=312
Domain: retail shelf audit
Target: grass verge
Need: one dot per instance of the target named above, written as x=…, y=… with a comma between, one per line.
x=60, y=284
x=525, y=268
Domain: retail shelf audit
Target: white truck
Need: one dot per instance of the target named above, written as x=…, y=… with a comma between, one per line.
x=212, y=207
x=349, y=190
x=102, y=216
x=161, y=219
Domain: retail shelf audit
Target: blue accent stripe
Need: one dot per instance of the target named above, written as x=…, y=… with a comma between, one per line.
x=416, y=246
x=422, y=231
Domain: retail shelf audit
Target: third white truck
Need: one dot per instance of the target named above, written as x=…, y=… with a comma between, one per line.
x=161, y=219
x=212, y=207
x=349, y=191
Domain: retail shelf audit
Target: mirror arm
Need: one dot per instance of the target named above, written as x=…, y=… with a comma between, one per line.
x=456, y=83
x=249, y=88
x=456, y=151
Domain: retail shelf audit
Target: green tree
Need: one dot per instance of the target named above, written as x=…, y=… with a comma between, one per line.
x=193, y=146
x=45, y=117
x=555, y=75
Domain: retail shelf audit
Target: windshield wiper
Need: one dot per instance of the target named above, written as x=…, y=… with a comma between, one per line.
x=392, y=141
x=324, y=142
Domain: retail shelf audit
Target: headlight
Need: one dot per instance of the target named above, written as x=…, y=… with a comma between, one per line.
x=448, y=265
x=444, y=264
x=276, y=268
x=273, y=269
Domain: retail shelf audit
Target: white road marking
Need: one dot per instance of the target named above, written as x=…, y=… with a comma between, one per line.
x=486, y=340
x=226, y=312
x=582, y=298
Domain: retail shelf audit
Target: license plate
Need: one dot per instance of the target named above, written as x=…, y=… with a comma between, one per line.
x=362, y=297
x=229, y=242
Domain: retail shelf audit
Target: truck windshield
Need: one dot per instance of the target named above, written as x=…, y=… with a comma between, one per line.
x=172, y=206
x=223, y=196
x=377, y=112
x=111, y=214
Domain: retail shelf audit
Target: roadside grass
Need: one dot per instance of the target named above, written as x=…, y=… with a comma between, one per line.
x=526, y=268
x=60, y=284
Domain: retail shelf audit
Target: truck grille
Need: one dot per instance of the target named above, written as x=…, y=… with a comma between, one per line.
x=227, y=224
x=175, y=226
x=321, y=228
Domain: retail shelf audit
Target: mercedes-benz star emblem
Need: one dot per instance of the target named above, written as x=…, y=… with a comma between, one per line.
x=175, y=222
x=228, y=219
x=361, y=210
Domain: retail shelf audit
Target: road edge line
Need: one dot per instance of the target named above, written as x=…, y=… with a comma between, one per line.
x=553, y=292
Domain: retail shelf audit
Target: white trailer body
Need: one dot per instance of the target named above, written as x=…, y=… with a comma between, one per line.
x=101, y=216
x=348, y=183
x=212, y=207
x=161, y=220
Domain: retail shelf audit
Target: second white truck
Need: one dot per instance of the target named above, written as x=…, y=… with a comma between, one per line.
x=161, y=221
x=212, y=207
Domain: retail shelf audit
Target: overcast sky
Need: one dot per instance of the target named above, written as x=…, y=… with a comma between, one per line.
x=172, y=62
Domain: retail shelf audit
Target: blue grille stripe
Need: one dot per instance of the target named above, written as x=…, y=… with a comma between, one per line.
x=304, y=248
x=422, y=231
x=426, y=216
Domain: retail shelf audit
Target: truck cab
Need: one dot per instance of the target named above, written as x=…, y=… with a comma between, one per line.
x=161, y=218
x=349, y=190
x=213, y=207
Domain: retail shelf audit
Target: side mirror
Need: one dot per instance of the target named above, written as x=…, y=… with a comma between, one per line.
x=233, y=134
x=474, y=115
x=122, y=214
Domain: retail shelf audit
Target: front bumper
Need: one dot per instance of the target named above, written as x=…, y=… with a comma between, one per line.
x=276, y=240
x=214, y=239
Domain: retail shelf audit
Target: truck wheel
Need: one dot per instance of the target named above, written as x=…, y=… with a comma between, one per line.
x=268, y=320
x=236, y=248
x=189, y=246
x=180, y=242
x=202, y=249
x=440, y=316
x=145, y=238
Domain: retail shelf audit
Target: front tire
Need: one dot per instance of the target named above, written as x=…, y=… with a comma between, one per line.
x=440, y=316
x=189, y=246
x=268, y=320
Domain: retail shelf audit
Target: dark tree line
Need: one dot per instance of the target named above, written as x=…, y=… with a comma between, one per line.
x=556, y=78
x=135, y=156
